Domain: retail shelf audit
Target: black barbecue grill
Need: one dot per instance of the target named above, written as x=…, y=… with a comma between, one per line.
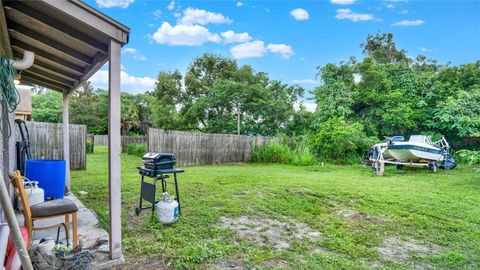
x=158, y=167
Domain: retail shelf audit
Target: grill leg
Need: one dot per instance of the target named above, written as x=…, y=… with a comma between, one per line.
x=176, y=191
x=139, y=208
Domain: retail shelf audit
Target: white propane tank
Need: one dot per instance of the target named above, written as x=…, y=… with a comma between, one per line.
x=167, y=209
x=34, y=193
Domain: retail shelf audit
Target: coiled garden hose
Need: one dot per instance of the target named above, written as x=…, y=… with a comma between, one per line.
x=9, y=97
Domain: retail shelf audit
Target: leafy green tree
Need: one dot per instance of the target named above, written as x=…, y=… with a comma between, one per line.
x=383, y=49
x=458, y=115
x=398, y=95
x=335, y=96
x=145, y=103
x=168, y=95
x=129, y=113
x=221, y=97
x=47, y=107
x=82, y=107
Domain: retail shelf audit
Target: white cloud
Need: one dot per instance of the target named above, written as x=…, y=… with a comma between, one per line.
x=171, y=5
x=252, y=49
x=403, y=11
x=409, y=23
x=129, y=83
x=193, y=16
x=239, y=4
x=299, y=14
x=423, y=49
x=346, y=13
x=140, y=57
x=257, y=49
x=343, y=2
x=129, y=50
x=390, y=6
x=135, y=53
x=157, y=13
x=305, y=81
x=114, y=3
x=188, y=35
x=284, y=50
x=232, y=37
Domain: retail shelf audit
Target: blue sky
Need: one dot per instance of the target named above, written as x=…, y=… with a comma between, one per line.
x=286, y=39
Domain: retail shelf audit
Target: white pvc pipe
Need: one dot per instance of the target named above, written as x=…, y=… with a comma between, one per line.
x=24, y=63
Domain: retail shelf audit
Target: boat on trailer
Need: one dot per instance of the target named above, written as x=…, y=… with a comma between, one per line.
x=419, y=150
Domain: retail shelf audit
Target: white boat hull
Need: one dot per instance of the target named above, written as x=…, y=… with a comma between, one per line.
x=415, y=153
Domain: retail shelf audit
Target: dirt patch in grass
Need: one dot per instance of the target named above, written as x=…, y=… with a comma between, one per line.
x=145, y=263
x=266, y=231
x=399, y=250
x=352, y=215
x=239, y=264
x=231, y=264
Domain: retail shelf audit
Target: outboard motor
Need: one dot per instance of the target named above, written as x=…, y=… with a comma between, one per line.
x=23, y=146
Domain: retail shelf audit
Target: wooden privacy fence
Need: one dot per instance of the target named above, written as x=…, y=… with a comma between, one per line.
x=100, y=140
x=46, y=140
x=195, y=148
x=126, y=140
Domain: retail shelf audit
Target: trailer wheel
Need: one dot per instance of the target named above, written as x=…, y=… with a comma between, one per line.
x=433, y=167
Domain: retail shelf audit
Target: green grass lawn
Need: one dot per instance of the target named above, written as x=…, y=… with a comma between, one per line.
x=409, y=219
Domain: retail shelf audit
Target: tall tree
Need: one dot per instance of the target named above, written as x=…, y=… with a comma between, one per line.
x=47, y=107
x=82, y=109
x=383, y=49
x=168, y=95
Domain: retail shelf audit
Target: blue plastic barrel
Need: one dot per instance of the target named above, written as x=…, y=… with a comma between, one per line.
x=50, y=175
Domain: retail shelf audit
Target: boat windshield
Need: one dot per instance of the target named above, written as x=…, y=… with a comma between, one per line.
x=420, y=139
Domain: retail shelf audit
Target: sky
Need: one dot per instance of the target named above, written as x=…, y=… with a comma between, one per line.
x=286, y=39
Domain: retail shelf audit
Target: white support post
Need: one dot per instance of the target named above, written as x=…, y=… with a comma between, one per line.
x=114, y=151
x=66, y=141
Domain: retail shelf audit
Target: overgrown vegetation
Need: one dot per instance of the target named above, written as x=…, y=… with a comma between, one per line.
x=469, y=157
x=338, y=140
x=89, y=146
x=137, y=149
x=432, y=218
x=276, y=151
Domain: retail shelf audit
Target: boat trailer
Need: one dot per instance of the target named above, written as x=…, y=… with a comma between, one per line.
x=378, y=162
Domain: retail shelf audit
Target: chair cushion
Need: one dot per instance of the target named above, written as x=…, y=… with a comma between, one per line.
x=53, y=208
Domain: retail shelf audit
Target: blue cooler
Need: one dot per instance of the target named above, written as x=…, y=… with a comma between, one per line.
x=50, y=175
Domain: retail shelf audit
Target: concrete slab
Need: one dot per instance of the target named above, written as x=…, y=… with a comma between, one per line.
x=90, y=234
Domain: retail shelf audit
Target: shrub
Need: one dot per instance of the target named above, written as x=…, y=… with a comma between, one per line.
x=137, y=149
x=88, y=146
x=469, y=157
x=340, y=141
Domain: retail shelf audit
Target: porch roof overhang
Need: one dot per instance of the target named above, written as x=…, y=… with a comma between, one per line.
x=69, y=38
